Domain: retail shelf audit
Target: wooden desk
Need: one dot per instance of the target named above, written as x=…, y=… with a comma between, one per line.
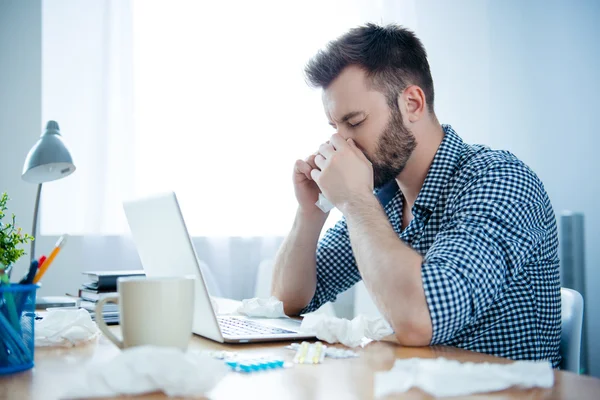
x=334, y=379
x=56, y=368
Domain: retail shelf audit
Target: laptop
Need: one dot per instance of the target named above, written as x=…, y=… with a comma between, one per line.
x=165, y=249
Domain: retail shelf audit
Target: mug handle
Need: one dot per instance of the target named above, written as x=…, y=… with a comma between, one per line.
x=102, y=324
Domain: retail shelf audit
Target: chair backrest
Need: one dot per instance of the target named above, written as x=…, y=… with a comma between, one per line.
x=572, y=321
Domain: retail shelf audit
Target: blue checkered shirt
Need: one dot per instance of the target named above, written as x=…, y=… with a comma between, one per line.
x=487, y=233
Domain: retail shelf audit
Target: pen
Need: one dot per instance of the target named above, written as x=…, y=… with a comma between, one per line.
x=28, y=278
x=42, y=259
x=21, y=297
x=44, y=267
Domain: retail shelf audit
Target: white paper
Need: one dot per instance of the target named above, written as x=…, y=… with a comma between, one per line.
x=65, y=328
x=147, y=369
x=262, y=308
x=441, y=377
x=350, y=333
x=324, y=204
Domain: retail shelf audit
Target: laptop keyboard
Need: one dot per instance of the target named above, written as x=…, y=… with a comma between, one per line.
x=245, y=327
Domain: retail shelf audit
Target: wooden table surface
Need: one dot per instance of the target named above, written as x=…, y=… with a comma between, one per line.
x=56, y=369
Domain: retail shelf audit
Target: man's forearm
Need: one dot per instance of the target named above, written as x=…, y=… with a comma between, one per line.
x=390, y=269
x=295, y=275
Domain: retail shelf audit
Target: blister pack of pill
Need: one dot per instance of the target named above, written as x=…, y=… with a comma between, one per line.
x=255, y=364
x=310, y=353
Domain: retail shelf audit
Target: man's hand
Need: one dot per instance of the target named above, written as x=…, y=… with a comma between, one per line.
x=306, y=189
x=343, y=172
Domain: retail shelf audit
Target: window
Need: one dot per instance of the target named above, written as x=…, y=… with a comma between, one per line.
x=204, y=98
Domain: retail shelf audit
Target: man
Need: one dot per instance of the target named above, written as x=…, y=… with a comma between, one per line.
x=456, y=244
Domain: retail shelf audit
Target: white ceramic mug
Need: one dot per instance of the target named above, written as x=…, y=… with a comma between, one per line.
x=152, y=311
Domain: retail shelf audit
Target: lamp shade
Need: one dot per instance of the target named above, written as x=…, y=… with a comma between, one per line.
x=49, y=159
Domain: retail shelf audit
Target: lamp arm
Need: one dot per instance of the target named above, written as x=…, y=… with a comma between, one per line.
x=35, y=223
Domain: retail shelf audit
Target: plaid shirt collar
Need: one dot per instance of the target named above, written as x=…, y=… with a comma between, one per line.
x=444, y=165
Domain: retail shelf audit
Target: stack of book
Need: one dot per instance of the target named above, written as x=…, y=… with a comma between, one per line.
x=101, y=284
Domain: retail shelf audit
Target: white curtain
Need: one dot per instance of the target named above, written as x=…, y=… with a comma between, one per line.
x=204, y=98
x=87, y=87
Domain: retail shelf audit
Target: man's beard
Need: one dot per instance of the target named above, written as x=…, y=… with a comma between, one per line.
x=394, y=148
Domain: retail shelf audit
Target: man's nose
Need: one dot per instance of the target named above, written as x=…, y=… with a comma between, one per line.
x=344, y=134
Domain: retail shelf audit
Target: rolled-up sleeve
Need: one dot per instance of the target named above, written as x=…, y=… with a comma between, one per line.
x=492, y=229
x=336, y=266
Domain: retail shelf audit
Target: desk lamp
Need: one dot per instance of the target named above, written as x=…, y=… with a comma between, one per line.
x=48, y=160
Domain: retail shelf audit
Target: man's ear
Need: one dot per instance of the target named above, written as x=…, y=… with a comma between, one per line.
x=412, y=103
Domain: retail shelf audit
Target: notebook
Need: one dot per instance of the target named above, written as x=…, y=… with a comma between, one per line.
x=106, y=281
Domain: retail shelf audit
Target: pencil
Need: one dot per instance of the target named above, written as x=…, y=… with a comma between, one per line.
x=44, y=267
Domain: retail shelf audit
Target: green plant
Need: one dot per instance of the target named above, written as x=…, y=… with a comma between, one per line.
x=10, y=237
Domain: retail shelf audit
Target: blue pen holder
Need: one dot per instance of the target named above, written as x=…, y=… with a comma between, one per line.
x=17, y=317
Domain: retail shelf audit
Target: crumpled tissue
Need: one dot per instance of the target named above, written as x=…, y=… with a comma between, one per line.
x=330, y=352
x=262, y=308
x=147, y=369
x=65, y=328
x=324, y=204
x=350, y=333
x=441, y=377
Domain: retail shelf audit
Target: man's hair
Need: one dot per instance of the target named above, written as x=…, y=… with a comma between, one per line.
x=392, y=56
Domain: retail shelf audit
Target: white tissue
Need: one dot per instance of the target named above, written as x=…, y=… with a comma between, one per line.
x=349, y=333
x=330, y=352
x=147, y=369
x=263, y=308
x=324, y=204
x=65, y=328
x=441, y=377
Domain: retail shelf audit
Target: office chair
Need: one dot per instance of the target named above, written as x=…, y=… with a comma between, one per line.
x=571, y=321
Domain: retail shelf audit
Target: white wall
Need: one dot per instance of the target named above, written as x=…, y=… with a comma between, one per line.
x=20, y=99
